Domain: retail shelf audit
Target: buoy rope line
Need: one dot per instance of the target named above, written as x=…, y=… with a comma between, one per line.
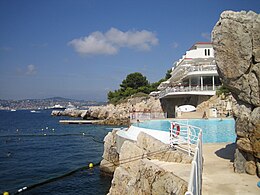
x=94, y=138
x=90, y=166
x=55, y=178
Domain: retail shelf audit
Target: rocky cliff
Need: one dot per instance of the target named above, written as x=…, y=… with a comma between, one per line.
x=236, y=41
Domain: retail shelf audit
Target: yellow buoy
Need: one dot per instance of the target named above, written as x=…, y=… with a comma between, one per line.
x=6, y=193
x=90, y=165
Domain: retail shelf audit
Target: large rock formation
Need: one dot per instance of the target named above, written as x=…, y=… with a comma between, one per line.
x=119, y=114
x=236, y=41
x=135, y=171
x=110, y=156
x=69, y=112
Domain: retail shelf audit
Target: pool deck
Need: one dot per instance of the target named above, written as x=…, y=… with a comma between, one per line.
x=218, y=173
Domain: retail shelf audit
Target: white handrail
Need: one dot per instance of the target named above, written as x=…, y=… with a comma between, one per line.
x=195, y=181
x=192, y=137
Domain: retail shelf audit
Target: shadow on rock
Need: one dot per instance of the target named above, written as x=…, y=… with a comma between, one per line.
x=227, y=152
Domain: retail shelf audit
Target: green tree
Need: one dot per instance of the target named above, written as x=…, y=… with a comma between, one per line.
x=134, y=81
x=168, y=74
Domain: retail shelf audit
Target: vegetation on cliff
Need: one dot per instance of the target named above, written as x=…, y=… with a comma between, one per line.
x=134, y=83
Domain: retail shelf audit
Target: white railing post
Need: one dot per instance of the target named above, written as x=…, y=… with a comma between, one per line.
x=193, y=142
x=189, y=146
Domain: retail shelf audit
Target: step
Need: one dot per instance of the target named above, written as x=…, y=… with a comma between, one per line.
x=181, y=170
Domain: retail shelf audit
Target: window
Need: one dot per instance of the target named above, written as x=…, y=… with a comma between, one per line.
x=208, y=52
x=205, y=52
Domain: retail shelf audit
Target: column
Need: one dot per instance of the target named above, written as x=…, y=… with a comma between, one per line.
x=190, y=83
x=213, y=83
x=201, y=83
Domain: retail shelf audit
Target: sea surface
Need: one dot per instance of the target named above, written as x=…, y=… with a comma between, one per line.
x=34, y=148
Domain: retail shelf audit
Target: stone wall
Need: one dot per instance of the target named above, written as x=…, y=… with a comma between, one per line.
x=236, y=41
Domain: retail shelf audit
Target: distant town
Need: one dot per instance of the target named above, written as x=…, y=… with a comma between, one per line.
x=48, y=103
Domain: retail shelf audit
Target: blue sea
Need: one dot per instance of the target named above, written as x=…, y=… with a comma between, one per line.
x=34, y=148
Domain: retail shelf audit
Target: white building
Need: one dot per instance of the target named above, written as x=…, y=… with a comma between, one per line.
x=194, y=74
x=194, y=79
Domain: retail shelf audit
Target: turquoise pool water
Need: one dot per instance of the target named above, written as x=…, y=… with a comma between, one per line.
x=213, y=130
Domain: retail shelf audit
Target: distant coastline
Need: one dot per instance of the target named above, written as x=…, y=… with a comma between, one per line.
x=35, y=104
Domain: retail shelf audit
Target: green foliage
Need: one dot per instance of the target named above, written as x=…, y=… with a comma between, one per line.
x=134, y=81
x=222, y=90
x=139, y=94
x=135, y=84
x=168, y=74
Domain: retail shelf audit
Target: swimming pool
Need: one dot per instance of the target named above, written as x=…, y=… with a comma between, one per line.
x=213, y=130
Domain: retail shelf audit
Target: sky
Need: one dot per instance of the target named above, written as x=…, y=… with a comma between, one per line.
x=82, y=49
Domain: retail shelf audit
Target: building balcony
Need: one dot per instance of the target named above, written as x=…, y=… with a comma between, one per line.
x=178, y=91
x=185, y=70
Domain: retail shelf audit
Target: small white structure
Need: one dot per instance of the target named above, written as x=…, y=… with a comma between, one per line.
x=186, y=108
x=213, y=112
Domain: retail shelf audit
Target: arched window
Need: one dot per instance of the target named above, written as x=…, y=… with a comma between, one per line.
x=208, y=52
x=205, y=52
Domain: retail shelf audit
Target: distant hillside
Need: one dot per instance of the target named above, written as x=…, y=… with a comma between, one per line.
x=45, y=103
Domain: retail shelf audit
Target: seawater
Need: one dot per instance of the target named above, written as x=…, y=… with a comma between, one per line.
x=34, y=147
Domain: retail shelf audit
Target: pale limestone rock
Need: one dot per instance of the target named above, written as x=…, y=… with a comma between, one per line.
x=129, y=157
x=119, y=114
x=245, y=145
x=239, y=163
x=110, y=156
x=107, y=167
x=119, y=182
x=149, y=143
x=255, y=140
x=137, y=175
x=236, y=42
x=174, y=185
x=258, y=168
x=250, y=167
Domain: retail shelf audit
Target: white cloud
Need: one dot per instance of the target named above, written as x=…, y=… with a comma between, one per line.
x=31, y=70
x=111, y=41
x=206, y=36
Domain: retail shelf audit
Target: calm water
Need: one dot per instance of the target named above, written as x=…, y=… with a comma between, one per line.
x=34, y=147
x=213, y=130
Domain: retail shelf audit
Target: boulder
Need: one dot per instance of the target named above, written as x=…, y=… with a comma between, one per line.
x=236, y=42
x=110, y=156
x=130, y=155
x=155, y=149
x=250, y=167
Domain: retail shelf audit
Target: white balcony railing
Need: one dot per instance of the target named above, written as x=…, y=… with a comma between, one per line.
x=182, y=88
x=183, y=70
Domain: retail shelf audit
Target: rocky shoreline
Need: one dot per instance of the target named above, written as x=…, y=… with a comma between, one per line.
x=115, y=114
